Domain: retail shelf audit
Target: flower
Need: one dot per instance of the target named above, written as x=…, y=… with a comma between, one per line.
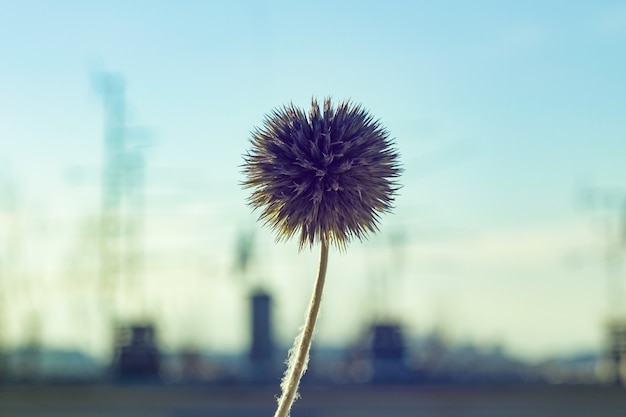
x=327, y=175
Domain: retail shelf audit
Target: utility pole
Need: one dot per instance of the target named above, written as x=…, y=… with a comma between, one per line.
x=8, y=257
x=612, y=204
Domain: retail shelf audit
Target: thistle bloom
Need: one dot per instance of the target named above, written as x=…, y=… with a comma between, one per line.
x=324, y=174
x=328, y=176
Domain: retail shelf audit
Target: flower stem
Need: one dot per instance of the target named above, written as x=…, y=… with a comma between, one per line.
x=299, y=353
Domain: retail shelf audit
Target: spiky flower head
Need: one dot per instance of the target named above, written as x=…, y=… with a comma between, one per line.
x=321, y=174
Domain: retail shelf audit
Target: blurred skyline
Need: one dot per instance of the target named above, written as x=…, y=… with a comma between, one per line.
x=506, y=115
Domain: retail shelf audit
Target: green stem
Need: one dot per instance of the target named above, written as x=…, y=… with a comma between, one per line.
x=299, y=356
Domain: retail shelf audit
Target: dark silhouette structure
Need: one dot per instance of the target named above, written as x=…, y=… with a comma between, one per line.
x=617, y=350
x=137, y=357
x=387, y=352
x=262, y=344
x=262, y=349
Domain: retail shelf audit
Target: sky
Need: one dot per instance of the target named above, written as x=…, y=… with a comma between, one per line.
x=509, y=118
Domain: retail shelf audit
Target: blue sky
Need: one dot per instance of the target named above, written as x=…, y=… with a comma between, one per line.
x=502, y=111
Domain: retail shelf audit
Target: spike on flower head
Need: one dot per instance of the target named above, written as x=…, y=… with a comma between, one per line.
x=330, y=172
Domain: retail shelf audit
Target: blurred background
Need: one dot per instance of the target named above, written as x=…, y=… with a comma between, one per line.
x=128, y=254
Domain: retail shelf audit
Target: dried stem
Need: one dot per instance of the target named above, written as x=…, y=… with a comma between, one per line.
x=299, y=353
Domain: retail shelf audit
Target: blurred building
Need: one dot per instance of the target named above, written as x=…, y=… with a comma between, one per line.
x=262, y=349
x=380, y=356
x=616, y=332
x=388, y=353
x=136, y=354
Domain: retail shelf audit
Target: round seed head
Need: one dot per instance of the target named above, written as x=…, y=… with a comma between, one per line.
x=326, y=175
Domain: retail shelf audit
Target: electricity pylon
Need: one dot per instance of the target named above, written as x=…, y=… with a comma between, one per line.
x=122, y=209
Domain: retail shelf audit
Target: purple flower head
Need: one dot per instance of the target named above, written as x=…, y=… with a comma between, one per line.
x=325, y=175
